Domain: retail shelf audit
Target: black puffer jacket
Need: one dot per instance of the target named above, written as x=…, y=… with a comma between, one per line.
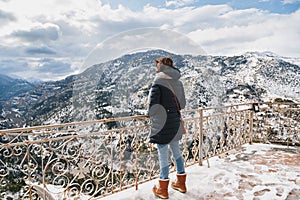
x=163, y=109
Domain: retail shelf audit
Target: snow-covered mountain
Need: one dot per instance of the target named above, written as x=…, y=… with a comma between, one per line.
x=10, y=87
x=120, y=87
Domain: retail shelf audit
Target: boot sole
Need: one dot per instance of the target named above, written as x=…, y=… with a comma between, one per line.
x=162, y=197
x=180, y=190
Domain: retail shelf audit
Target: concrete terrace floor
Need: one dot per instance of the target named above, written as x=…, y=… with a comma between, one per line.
x=257, y=171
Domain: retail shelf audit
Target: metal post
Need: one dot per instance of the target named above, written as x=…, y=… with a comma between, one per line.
x=200, y=138
x=251, y=126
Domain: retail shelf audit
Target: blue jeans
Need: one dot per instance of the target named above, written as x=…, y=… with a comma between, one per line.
x=163, y=154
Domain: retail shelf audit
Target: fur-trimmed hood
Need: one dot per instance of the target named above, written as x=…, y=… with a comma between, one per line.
x=167, y=72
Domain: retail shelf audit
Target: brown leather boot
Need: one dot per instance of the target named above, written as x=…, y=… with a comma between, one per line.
x=180, y=183
x=162, y=190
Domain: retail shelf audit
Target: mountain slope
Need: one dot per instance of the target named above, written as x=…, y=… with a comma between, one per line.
x=10, y=87
x=120, y=87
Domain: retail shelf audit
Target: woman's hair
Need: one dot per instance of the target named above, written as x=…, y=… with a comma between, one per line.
x=165, y=61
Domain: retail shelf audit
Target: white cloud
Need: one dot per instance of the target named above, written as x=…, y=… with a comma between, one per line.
x=6, y=17
x=257, y=32
x=120, y=14
x=179, y=3
x=289, y=1
x=68, y=30
x=44, y=33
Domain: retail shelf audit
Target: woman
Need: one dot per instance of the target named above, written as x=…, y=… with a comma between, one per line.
x=167, y=98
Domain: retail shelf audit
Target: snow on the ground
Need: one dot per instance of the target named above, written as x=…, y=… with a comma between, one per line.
x=257, y=171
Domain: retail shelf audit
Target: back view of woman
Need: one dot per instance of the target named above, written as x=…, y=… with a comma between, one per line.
x=167, y=98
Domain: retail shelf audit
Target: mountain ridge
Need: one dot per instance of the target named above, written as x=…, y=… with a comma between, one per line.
x=120, y=87
x=10, y=87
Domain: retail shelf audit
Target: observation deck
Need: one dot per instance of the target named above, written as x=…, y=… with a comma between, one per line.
x=227, y=151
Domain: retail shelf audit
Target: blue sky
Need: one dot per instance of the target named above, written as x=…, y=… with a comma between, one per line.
x=51, y=39
x=273, y=6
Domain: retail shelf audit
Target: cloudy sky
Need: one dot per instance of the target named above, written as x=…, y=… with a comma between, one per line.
x=50, y=39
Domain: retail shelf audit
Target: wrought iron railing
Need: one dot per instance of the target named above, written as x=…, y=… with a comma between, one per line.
x=89, y=160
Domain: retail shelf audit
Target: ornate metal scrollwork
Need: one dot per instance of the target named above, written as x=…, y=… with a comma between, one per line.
x=98, y=158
